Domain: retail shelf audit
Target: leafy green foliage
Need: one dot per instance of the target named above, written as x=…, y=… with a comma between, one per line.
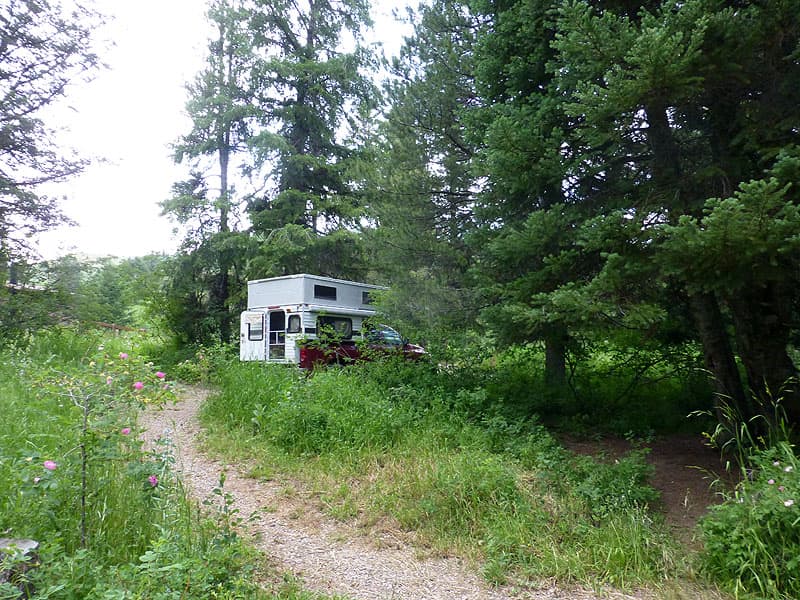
x=752, y=540
x=122, y=293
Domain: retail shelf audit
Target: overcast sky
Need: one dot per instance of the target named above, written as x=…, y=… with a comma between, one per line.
x=128, y=117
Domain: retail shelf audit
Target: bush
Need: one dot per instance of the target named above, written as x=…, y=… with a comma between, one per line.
x=752, y=540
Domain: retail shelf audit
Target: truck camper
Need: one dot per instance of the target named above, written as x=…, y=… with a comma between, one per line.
x=310, y=320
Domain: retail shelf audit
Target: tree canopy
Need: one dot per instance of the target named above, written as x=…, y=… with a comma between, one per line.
x=44, y=47
x=565, y=174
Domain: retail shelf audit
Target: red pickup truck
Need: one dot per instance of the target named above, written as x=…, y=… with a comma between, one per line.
x=377, y=341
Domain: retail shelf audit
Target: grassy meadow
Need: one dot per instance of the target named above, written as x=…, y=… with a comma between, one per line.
x=441, y=454
x=112, y=520
x=463, y=459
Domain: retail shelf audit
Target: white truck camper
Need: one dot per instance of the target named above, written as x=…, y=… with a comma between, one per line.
x=281, y=311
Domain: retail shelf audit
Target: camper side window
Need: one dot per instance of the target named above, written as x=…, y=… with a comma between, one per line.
x=337, y=327
x=325, y=292
x=294, y=324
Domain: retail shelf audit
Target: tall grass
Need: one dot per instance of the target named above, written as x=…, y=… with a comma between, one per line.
x=434, y=455
x=111, y=519
x=752, y=539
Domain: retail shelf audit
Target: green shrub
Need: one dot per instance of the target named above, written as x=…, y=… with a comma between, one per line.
x=752, y=540
x=618, y=485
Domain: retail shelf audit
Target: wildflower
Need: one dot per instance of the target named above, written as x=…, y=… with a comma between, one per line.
x=160, y=375
x=37, y=479
x=788, y=469
x=50, y=465
x=788, y=503
x=125, y=431
x=92, y=363
x=152, y=480
x=781, y=488
x=138, y=385
x=166, y=386
x=109, y=380
x=771, y=482
x=123, y=355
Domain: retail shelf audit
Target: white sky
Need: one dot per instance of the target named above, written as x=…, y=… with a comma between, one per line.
x=126, y=119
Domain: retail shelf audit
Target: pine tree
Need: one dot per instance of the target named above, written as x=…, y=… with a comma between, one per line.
x=222, y=125
x=313, y=96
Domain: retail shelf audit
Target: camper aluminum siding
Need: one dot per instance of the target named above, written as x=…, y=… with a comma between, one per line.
x=309, y=290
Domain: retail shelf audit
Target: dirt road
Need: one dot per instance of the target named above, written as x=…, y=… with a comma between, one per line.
x=326, y=555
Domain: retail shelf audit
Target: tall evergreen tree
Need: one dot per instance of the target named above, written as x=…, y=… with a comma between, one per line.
x=313, y=96
x=222, y=125
x=676, y=151
x=527, y=238
x=422, y=190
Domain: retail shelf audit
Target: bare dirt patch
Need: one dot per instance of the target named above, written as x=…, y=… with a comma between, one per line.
x=332, y=557
x=688, y=474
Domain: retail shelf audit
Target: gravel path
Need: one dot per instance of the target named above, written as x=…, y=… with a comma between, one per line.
x=326, y=555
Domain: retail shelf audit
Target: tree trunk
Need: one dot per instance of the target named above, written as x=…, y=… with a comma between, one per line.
x=719, y=358
x=762, y=319
x=555, y=357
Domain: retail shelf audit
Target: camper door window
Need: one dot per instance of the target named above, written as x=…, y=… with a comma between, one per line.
x=255, y=330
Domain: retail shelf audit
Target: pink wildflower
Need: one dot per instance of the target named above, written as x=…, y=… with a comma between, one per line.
x=152, y=480
x=166, y=386
x=781, y=488
x=50, y=465
x=771, y=482
x=125, y=431
x=160, y=375
x=138, y=385
x=123, y=355
x=109, y=380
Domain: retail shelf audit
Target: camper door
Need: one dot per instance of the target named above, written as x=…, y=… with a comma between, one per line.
x=252, y=336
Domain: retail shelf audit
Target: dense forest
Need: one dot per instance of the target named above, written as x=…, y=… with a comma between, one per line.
x=569, y=174
x=587, y=211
